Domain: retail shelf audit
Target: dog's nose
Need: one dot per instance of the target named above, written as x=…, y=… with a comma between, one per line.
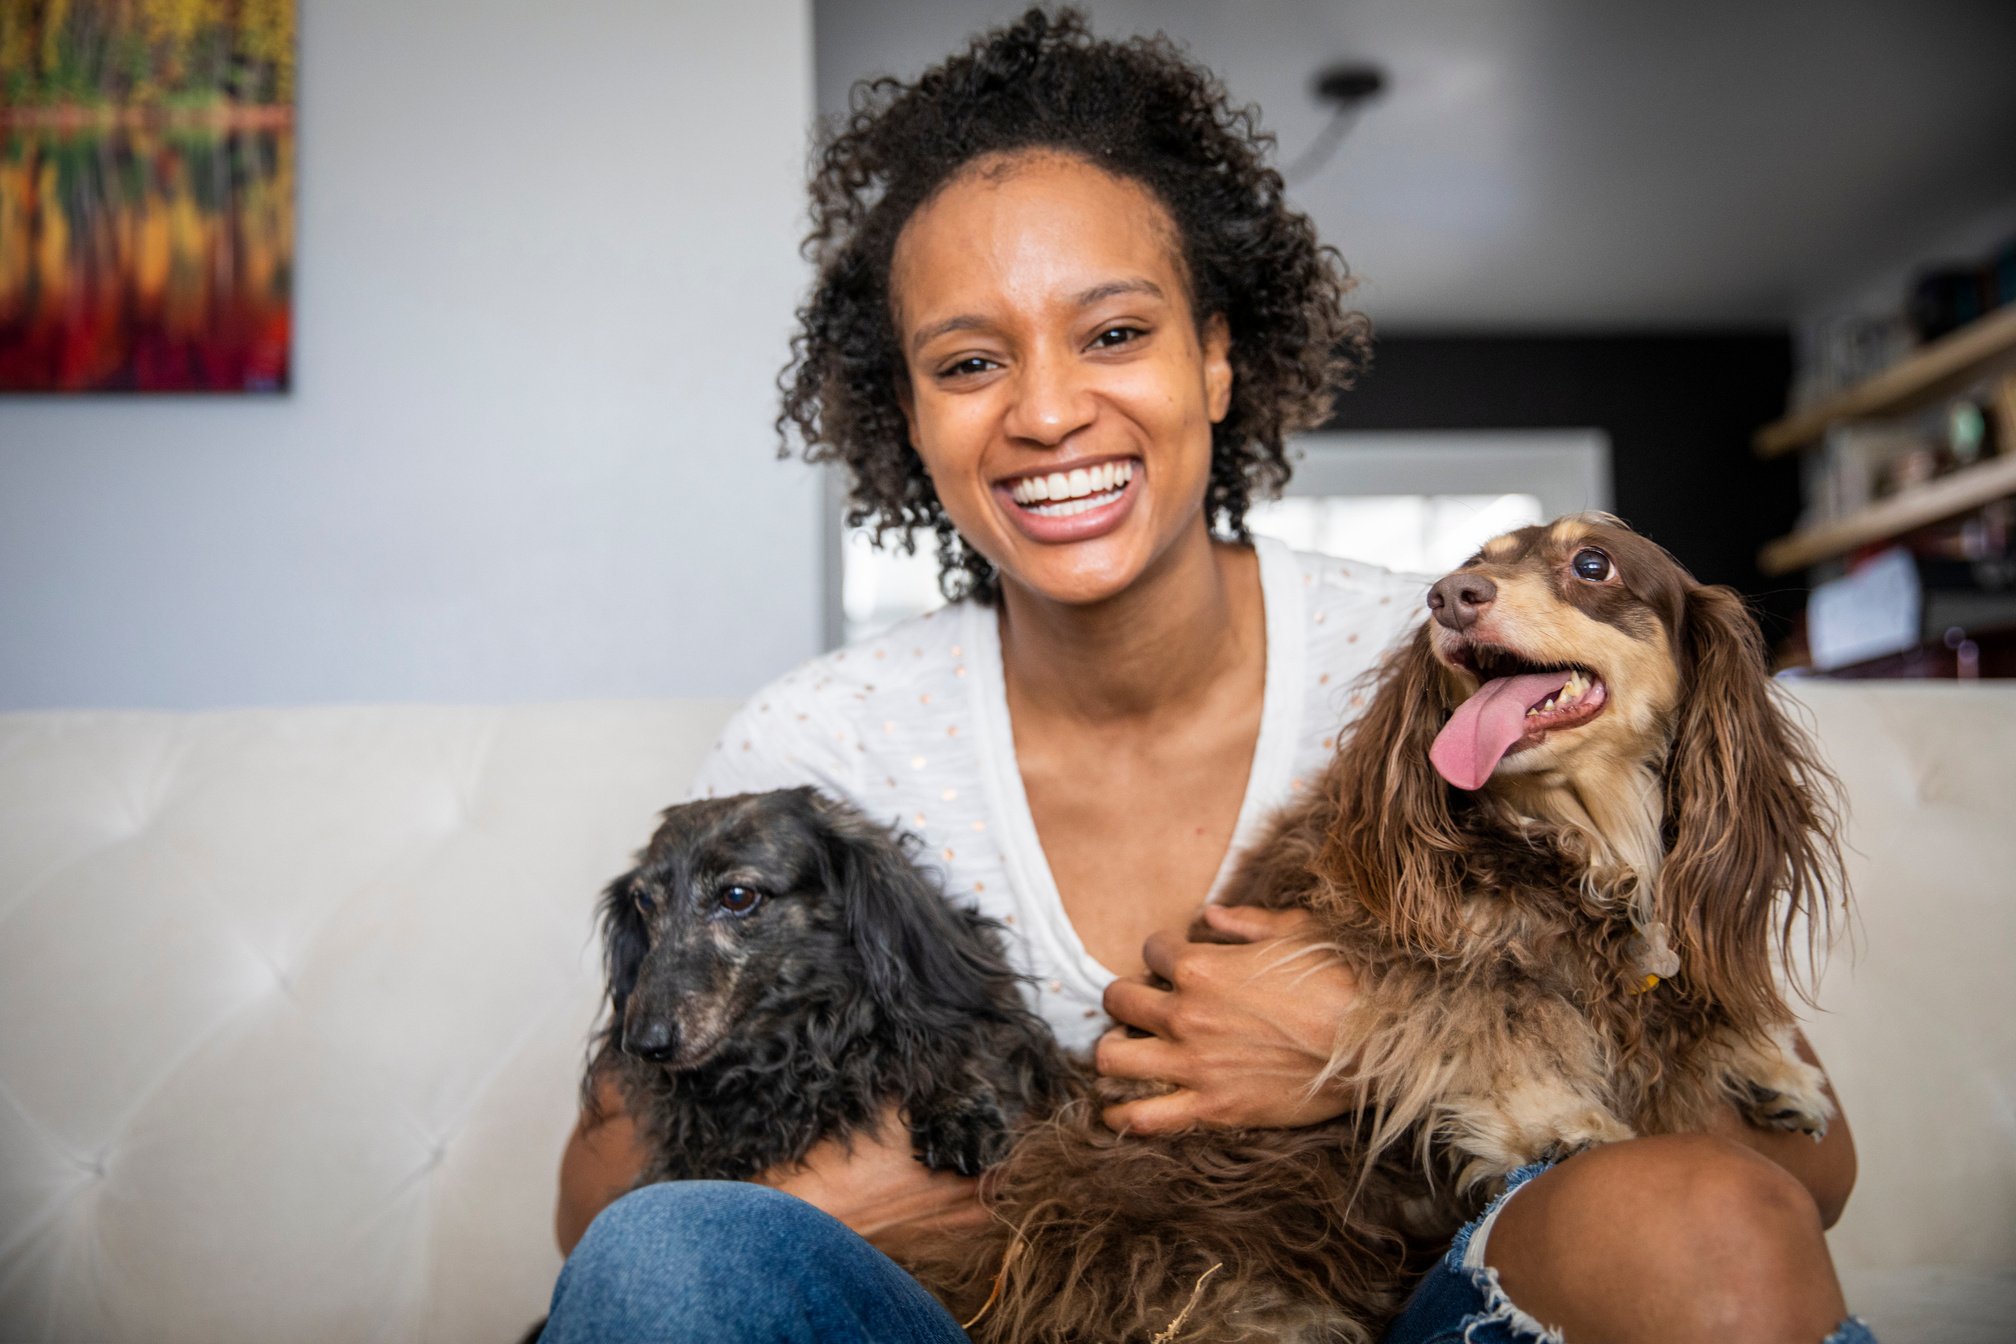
x=1460, y=599
x=654, y=1041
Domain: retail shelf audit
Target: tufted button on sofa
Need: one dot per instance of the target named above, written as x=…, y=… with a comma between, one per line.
x=292, y=1004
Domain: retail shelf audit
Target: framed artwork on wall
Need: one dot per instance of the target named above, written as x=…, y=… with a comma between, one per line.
x=146, y=195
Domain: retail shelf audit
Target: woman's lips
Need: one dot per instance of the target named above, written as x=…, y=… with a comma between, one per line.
x=1091, y=514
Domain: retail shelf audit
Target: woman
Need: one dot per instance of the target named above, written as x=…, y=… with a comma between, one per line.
x=1064, y=320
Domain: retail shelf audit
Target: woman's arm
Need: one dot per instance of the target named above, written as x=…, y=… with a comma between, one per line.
x=1244, y=1029
x=602, y=1162
x=875, y=1184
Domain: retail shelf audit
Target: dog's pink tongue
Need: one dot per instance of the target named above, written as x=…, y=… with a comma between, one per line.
x=1485, y=726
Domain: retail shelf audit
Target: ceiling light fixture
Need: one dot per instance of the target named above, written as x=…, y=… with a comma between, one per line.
x=1346, y=86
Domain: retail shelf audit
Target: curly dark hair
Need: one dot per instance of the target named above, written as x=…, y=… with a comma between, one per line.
x=1140, y=109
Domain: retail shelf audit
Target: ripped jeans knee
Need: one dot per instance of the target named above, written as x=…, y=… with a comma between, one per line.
x=1460, y=1301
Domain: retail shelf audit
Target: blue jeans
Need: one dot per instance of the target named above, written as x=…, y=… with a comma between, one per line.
x=722, y=1262
x=735, y=1263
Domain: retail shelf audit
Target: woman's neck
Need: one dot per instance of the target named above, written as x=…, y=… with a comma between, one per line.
x=1162, y=647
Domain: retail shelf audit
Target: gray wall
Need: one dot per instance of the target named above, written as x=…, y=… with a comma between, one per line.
x=546, y=262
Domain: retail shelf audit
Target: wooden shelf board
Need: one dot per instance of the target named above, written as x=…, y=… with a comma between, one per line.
x=1918, y=507
x=1942, y=367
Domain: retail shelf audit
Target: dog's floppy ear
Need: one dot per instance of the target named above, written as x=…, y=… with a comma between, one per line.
x=1394, y=845
x=624, y=943
x=914, y=948
x=1750, y=812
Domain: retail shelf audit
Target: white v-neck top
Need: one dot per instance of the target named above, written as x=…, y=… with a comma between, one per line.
x=912, y=727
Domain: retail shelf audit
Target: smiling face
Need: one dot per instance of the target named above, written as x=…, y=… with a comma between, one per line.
x=1563, y=644
x=1059, y=389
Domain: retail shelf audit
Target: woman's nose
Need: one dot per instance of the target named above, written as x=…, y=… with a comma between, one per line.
x=1051, y=401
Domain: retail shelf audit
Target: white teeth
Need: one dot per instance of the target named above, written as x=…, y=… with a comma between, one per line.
x=1571, y=691
x=1079, y=484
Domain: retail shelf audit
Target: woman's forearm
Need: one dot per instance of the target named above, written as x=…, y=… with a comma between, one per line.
x=602, y=1161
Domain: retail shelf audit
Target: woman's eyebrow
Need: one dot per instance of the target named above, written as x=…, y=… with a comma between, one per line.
x=1113, y=288
x=925, y=335
x=1085, y=299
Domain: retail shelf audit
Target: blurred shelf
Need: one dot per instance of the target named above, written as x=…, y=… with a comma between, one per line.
x=1936, y=370
x=1922, y=505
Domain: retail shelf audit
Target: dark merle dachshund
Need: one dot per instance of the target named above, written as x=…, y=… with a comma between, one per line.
x=780, y=972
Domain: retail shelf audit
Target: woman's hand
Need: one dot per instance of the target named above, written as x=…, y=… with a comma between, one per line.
x=876, y=1186
x=1243, y=1030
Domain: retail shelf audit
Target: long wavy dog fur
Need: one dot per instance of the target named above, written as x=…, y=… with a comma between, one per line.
x=780, y=972
x=1582, y=949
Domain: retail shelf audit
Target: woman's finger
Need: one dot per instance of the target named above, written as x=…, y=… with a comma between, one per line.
x=1169, y=1113
x=1136, y=1003
x=1250, y=923
x=1162, y=949
x=1141, y=1059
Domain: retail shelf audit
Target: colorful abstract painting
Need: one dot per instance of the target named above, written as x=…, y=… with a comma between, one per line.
x=146, y=195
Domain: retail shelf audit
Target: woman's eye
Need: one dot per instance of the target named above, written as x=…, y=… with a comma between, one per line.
x=740, y=900
x=966, y=368
x=1593, y=565
x=1113, y=336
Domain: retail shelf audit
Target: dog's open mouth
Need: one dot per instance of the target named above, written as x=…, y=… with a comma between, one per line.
x=1518, y=704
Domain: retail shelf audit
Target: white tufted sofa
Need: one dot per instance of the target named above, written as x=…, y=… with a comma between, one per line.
x=292, y=1002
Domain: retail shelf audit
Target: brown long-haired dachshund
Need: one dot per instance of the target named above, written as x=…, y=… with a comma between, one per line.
x=1567, y=849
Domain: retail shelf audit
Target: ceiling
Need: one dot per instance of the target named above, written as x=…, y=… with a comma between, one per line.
x=1561, y=165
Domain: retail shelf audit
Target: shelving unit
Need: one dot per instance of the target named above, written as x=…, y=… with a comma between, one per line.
x=1976, y=352
x=1945, y=366
x=1933, y=502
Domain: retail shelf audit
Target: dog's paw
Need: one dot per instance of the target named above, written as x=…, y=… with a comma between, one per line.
x=1775, y=1089
x=964, y=1134
x=1578, y=1131
x=1797, y=1110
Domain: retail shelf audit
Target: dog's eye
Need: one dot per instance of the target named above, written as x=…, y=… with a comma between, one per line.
x=1592, y=564
x=641, y=898
x=740, y=900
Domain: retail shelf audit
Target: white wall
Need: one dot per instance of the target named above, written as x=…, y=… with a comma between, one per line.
x=545, y=270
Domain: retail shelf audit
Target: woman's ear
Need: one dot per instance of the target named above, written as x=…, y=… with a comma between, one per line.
x=1216, y=337
x=1751, y=814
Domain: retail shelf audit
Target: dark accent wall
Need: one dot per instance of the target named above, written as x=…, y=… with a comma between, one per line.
x=1679, y=411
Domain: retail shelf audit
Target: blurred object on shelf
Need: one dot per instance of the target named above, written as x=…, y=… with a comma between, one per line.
x=1958, y=655
x=1942, y=588
x=1919, y=466
x=1967, y=438
x=1836, y=354
x=2001, y=403
x=1948, y=297
x=1844, y=475
x=1871, y=611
